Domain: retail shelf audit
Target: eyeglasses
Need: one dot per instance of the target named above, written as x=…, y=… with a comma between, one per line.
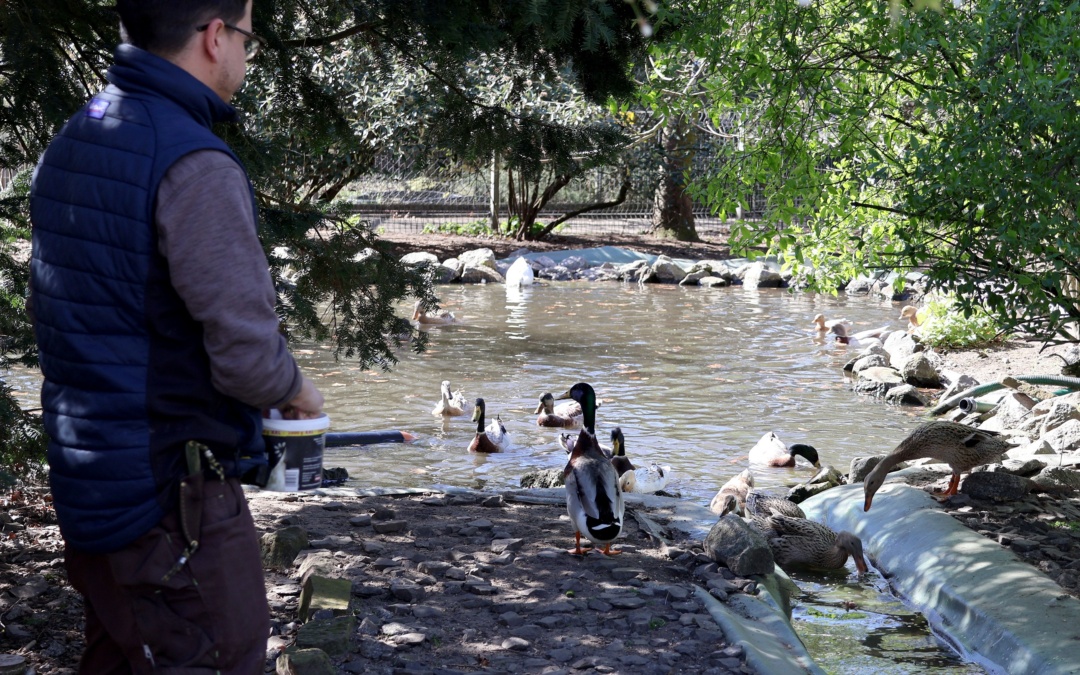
x=252, y=43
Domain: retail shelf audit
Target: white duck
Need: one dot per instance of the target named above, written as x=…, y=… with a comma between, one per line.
x=450, y=404
x=652, y=478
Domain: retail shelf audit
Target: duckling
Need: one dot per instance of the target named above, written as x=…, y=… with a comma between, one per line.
x=798, y=542
x=564, y=415
x=961, y=447
x=643, y=480
x=771, y=451
x=763, y=505
x=737, y=487
x=450, y=404
x=824, y=326
x=492, y=438
x=594, y=500
x=439, y=317
x=912, y=315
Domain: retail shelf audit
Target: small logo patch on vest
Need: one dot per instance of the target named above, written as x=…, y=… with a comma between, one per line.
x=97, y=108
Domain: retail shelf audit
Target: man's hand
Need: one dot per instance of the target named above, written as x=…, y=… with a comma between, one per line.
x=305, y=405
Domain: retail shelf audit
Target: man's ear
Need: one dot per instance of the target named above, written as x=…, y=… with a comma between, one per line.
x=211, y=42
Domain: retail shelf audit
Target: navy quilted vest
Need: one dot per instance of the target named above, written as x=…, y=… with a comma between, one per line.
x=127, y=381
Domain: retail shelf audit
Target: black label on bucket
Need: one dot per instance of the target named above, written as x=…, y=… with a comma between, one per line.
x=302, y=456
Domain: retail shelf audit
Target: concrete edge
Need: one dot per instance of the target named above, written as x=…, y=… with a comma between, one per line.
x=769, y=642
x=998, y=610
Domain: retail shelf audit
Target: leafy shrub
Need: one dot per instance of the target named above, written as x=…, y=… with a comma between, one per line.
x=942, y=325
x=476, y=227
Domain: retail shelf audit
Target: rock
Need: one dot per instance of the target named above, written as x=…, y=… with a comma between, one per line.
x=1058, y=412
x=877, y=381
x=1065, y=437
x=333, y=636
x=998, y=486
x=389, y=526
x=732, y=543
x=481, y=257
x=901, y=346
x=759, y=275
x=860, y=467
x=665, y=270
x=543, y=478
x=918, y=370
x=906, y=394
x=480, y=275
x=1058, y=480
x=419, y=259
x=310, y=661
x=323, y=593
x=280, y=548
x=869, y=361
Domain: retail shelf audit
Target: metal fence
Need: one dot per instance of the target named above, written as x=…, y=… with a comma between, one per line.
x=408, y=191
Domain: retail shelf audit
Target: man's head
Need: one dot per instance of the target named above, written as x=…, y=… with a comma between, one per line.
x=204, y=37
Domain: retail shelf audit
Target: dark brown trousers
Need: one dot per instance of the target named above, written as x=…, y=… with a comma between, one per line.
x=146, y=614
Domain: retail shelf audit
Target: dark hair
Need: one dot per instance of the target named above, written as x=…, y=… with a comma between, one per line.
x=165, y=26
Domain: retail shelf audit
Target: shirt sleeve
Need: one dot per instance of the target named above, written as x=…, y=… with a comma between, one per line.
x=206, y=231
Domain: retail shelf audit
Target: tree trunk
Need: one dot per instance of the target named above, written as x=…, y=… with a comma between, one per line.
x=673, y=209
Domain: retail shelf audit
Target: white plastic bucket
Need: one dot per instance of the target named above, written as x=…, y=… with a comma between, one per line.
x=297, y=445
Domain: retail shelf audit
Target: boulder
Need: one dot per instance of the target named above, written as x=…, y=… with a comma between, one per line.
x=732, y=543
x=542, y=478
x=667, y=271
x=906, y=394
x=480, y=257
x=305, y=662
x=1057, y=479
x=419, y=259
x=473, y=274
x=919, y=370
x=997, y=486
x=759, y=275
x=280, y=548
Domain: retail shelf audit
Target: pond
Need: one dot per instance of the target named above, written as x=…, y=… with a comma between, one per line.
x=694, y=377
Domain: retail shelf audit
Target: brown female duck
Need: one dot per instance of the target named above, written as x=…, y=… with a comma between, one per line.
x=732, y=495
x=798, y=542
x=563, y=415
x=961, y=447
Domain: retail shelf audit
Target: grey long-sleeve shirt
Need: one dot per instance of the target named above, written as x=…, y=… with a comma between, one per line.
x=217, y=266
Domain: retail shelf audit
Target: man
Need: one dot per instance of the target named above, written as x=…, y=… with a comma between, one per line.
x=154, y=316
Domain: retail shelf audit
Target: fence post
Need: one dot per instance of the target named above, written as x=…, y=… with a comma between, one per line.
x=493, y=204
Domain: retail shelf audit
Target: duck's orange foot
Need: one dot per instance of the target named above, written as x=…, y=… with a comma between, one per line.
x=607, y=550
x=578, y=551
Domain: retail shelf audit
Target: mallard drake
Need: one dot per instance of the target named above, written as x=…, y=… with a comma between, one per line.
x=440, y=316
x=450, y=404
x=961, y=447
x=763, y=505
x=493, y=437
x=912, y=315
x=798, y=542
x=736, y=488
x=771, y=451
x=564, y=415
x=824, y=326
x=593, y=498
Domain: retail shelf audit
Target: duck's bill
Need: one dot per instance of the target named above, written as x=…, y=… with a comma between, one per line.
x=565, y=394
x=866, y=503
x=539, y=409
x=860, y=565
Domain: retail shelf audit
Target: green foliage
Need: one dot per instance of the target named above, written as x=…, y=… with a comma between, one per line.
x=470, y=229
x=885, y=137
x=942, y=323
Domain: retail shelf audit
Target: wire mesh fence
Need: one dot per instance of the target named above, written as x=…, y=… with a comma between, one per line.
x=408, y=191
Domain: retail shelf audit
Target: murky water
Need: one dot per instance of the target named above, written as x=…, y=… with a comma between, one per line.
x=694, y=377
x=856, y=627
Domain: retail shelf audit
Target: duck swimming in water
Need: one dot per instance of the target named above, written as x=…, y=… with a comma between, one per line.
x=493, y=437
x=771, y=451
